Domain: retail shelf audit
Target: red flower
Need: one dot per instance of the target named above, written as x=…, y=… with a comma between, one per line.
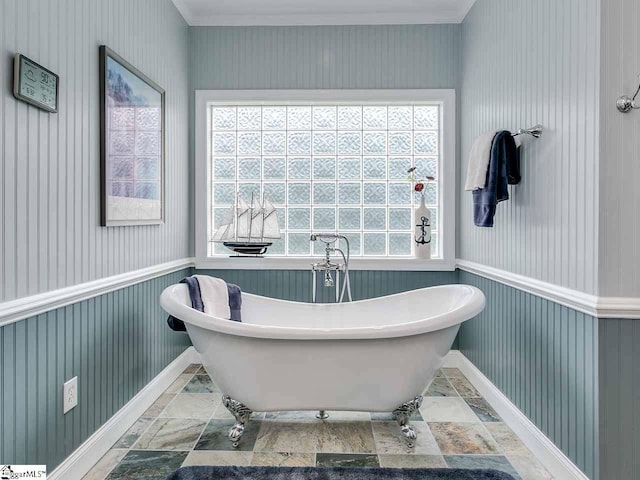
x=419, y=187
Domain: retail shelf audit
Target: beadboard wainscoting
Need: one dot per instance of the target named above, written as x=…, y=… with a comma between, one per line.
x=619, y=373
x=360, y=56
x=524, y=63
x=544, y=357
x=114, y=343
x=50, y=236
x=619, y=152
x=296, y=285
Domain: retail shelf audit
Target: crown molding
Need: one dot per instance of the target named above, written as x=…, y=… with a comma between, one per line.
x=198, y=19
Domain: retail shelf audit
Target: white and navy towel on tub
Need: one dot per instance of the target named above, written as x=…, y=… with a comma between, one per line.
x=212, y=296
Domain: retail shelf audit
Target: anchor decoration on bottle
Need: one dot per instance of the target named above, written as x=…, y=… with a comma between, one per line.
x=425, y=231
x=422, y=217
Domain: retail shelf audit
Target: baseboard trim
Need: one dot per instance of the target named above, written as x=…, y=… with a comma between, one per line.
x=545, y=450
x=78, y=464
x=25, y=307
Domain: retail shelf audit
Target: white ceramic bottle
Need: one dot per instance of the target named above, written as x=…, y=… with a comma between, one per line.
x=422, y=231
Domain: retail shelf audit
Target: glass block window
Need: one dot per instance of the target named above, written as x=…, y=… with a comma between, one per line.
x=328, y=168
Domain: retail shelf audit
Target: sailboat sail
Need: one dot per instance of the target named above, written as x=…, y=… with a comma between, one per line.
x=243, y=220
x=271, y=227
x=249, y=228
x=257, y=213
x=227, y=228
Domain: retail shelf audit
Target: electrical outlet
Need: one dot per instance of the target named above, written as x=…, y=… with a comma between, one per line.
x=69, y=394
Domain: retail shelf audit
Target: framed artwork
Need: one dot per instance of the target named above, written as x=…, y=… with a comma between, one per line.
x=132, y=128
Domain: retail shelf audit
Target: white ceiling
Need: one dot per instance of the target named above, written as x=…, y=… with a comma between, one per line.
x=322, y=12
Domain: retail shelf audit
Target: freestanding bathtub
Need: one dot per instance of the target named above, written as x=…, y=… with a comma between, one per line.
x=374, y=355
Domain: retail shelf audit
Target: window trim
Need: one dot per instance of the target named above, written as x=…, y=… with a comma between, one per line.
x=445, y=97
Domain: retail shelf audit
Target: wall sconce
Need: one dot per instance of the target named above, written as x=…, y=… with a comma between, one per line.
x=625, y=103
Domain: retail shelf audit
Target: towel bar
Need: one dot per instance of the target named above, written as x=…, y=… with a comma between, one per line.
x=535, y=131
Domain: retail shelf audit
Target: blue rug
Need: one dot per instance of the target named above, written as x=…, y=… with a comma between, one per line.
x=333, y=473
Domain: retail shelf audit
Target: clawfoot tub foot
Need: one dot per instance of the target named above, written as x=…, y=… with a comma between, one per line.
x=402, y=414
x=241, y=413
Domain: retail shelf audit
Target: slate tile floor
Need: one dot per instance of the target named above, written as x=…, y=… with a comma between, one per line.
x=187, y=425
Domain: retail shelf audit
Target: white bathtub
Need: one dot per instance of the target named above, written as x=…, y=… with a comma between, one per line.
x=374, y=355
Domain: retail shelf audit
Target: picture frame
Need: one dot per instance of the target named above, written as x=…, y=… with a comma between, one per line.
x=132, y=144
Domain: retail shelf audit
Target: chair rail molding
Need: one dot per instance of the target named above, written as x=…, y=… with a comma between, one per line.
x=600, y=307
x=32, y=305
x=618, y=307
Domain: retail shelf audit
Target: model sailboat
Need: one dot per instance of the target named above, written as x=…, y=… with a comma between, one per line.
x=248, y=229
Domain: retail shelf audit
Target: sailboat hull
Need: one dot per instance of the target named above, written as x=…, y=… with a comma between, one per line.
x=248, y=248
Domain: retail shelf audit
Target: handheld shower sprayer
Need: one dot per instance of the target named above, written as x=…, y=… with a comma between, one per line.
x=328, y=279
x=326, y=237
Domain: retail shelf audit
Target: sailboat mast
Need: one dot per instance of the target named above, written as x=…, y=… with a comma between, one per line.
x=250, y=218
x=262, y=226
x=235, y=232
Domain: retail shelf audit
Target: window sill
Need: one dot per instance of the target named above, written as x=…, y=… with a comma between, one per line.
x=304, y=263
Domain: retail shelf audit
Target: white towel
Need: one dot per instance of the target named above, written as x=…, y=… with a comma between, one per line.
x=518, y=141
x=215, y=296
x=479, y=158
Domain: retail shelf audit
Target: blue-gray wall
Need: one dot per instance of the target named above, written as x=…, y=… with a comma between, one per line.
x=619, y=372
x=322, y=57
x=619, y=254
x=378, y=56
x=115, y=343
x=572, y=375
x=544, y=358
x=541, y=355
x=50, y=235
x=296, y=285
x=49, y=180
x=526, y=62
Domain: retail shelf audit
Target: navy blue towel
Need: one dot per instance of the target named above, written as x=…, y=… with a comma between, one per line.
x=504, y=169
x=196, y=302
x=235, y=303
